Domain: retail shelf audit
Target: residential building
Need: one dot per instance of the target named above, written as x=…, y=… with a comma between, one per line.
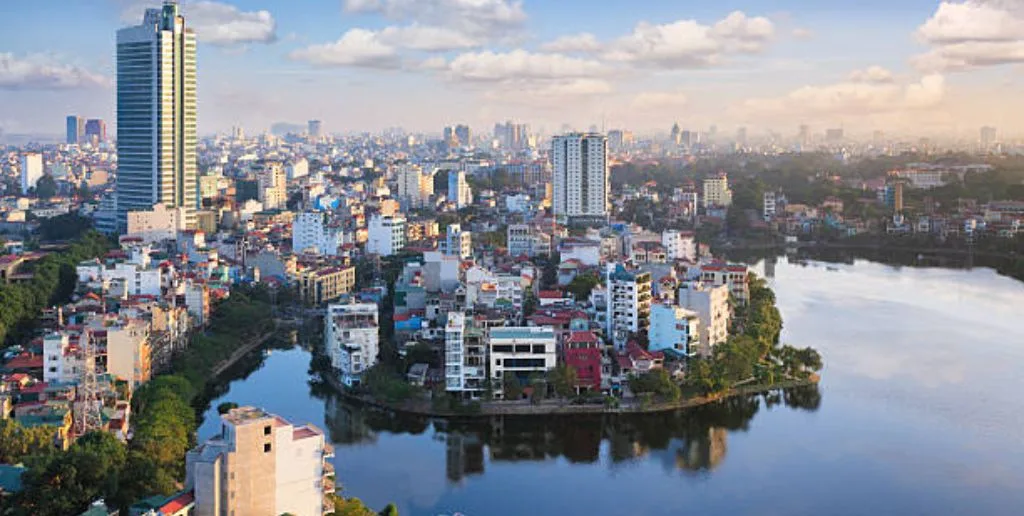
x=458, y=242
x=768, y=210
x=520, y=351
x=582, y=351
x=680, y=245
x=629, y=303
x=128, y=351
x=260, y=463
x=318, y=285
x=157, y=224
x=415, y=187
x=734, y=276
x=272, y=183
x=197, y=301
x=156, y=115
x=711, y=303
x=459, y=191
x=31, y=170
x=95, y=130
x=385, y=235
x=465, y=357
x=673, y=327
x=75, y=130
x=312, y=233
x=717, y=192
x=351, y=339
x=581, y=177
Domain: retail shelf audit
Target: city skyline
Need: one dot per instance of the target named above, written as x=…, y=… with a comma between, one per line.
x=922, y=67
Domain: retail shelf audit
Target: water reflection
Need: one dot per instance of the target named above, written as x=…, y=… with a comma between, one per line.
x=693, y=440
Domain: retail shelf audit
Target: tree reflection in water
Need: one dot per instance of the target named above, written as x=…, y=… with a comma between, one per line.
x=692, y=440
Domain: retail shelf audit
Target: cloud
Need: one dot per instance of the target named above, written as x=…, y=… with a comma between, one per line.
x=582, y=42
x=357, y=47
x=216, y=23
x=976, y=33
x=434, y=63
x=40, y=72
x=659, y=100
x=802, y=33
x=690, y=44
x=474, y=17
x=520, y=64
x=851, y=99
x=223, y=24
x=426, y=38
x=872, y=74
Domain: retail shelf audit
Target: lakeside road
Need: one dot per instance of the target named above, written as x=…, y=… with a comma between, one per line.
x=561, y=407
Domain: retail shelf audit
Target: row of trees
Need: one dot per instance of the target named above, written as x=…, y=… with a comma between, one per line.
x=164, y=424
x=53, y=281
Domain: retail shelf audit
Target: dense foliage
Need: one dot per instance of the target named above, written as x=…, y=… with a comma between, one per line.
x=18, y=442
x=53, y=281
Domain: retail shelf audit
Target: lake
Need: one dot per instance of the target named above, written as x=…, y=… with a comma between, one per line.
x=919, y=411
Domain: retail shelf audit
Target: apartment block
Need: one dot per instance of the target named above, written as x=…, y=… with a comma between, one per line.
x=520, y=351
x=351, y=339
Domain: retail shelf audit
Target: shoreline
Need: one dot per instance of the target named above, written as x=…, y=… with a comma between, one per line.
x=423, y=408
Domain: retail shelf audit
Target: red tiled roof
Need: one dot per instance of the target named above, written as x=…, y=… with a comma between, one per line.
x=177, y=504
x=550, y=294
x=582, y=337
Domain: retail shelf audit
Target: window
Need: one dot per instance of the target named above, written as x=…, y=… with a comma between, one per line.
x=538, y=348
x=497, y=362
x=266, y=448
x=266, y=430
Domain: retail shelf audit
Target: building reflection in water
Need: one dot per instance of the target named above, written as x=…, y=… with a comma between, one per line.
x=691, y=441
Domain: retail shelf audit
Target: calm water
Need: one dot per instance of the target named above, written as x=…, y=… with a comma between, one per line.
x=919, y=412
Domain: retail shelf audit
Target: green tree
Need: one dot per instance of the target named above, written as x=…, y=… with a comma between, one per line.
x=511, y=388
x=18, y=442
x=657, y=382
x=46, y=187
x=66, y=483
x=226, y=407
x=582, y=285
x=564, y=380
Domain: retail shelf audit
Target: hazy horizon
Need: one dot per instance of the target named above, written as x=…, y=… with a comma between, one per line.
x=919, y=68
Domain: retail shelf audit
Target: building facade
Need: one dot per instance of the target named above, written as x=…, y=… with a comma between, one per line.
x=385, y=235
x=351, y=339
x=312, y=233
x=581, y=180
x=711, y=304
x=674, y=327
x=717, y=191
x=31, y=170
x=156, y=115
x=459, y=191
x=520, y=351
x=260, y=463
x=629, y=303
x=324, y=284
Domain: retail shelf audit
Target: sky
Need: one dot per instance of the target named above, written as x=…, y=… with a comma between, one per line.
x=912, y=67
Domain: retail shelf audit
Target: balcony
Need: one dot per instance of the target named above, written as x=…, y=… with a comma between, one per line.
x=328, y=469
x=328, y=452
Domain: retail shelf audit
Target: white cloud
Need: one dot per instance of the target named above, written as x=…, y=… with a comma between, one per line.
x=39, y=72
x=582, y=42
x=872, y=74
x=802, y=33
x=659, y=100
x=474, y=17
x=426, y=38
x=357, y=47
x=434, y=63
x=972, y=34
x=522, y=65
x=216, y=23
x=690, y=44
x=223, y=24
x=851, y=99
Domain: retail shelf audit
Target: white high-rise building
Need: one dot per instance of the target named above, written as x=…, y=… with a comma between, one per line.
x=311, y=232
x=415, y=186
x=351, y=339
x=581, y=181
x=459, y=191
x=629, y=303
x=31, y=170
x=769, y=206
x=272, y=186
x=717, y=191
x=385, y=235
x=458, y=242
x=156, y=115
x=712, y=306
x=679, y=245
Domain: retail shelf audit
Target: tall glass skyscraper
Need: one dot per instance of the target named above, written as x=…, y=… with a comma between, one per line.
x=156, y=115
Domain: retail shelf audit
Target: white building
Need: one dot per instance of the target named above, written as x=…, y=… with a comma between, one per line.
x=581, y=180
x=440, y=272
x=712, y=306
x=351, y=339
x=156, y=115
x=311, y=232
x=298, y=168
x=137, y=279
x=128, y=351
x=520, y=351
x=60, y=363
x=459, y=191
x=679, y=245
x=769, y=206
x=521, y=240
x=629, y=303
x=385, y=235
x=717, y=191
x=465, y=357
x=31, y=170
x=273, y=184
x=157, y=224
x=260, y=463
x=415, y=187
x=458, y=242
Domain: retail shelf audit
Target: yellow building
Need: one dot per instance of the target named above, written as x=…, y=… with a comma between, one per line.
x=128, y=351
x=323, y=284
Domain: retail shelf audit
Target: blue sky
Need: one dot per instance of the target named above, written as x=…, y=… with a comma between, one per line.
x=911, y=66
